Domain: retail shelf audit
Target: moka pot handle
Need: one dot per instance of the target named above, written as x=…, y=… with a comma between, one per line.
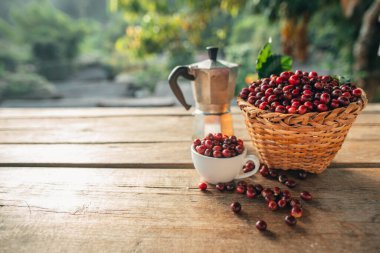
x=173, y=82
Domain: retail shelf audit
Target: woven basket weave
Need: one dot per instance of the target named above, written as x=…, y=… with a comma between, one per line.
x=293, y=141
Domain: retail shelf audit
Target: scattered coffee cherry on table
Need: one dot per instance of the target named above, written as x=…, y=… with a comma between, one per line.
x=202, y=186
x=282, y=179
x=230, y=187
x=296, y=211
x=295, y=202
x=261, y=225
x=302, y=174
x=240, y=189
x=290, y=220
x=264, y=171
x=235, y=207
x=221, y=187
x=290, y=183
x=300, y=92
x=305, y=195
x=282, y=203
x=272, y=205
x=219, y=145
x=251, y=194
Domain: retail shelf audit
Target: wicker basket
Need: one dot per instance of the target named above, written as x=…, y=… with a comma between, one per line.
x=293, y=141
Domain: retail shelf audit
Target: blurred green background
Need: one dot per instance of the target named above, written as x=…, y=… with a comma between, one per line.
x=44, y=43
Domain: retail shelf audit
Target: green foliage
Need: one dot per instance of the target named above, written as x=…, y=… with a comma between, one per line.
x=53, y=37
x=268, y=63
x=12, y=55
x=147, y=78
x=25, y=85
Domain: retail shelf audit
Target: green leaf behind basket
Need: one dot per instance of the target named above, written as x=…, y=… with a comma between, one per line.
x=268, y=63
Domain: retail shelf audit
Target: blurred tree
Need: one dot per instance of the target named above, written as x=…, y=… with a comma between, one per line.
x=367, y=61
x=178, y=27
x=53, y=37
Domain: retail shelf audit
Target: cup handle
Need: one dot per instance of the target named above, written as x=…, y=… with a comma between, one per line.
x=257, y=166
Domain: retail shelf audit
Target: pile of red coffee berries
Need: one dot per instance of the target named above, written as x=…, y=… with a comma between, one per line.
x=275, y=198
x=300, y=92
x=219, y=145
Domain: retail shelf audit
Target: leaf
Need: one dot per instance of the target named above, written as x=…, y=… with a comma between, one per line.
x=264, y=54
x=342, y=79
x=286, y=63
x=268, y=64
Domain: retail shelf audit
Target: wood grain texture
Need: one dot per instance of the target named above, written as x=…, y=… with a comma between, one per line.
x=135, y=129
x=162, y=155
x=158, y=210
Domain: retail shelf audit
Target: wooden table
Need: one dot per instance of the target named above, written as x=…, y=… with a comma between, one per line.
x=121, y=180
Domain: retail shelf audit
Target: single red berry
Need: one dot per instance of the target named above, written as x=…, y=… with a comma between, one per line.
x=322, y=108
x=202, y=186
x=240, y=189
x=282, y=179
x=313, y=74
x=280, y=109
x=217, y=154
x=249, y=166
x=196, y=142
x=292, y=110
x=357, y=92
x=305, y=195
x=346, y=94
x=290, y=183
x=226, y=153
x=295, y=202
x=208, y=152
x=285, y=75
x=200, y=149
x=239, y=149
x=336, y=93
x=325, y=98
x=264, y=106
x=258, y=188
x=236, y=207
x=266, y=192
x=276, y=191
x=264, y=171
x=272, y=98
x=250, y=194
x=302, y=109
x=296, y=212
x=220, y=186
x=273, y=174
x=290, y=220
x=261, y=225
x=294, y=80
x=307, y=92
x=318, y=86
x=343, y=101
x=272, y=205
x=334, y=104
x=230, y=186
x=281, y=203
x=286, y=193
x=302, y=174
x=326, y=79
x=309, y=105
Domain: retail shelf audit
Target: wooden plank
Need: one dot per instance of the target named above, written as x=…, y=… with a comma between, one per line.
x=134, y=129
x=157, y=210
x=163, y=155
x=113, y=112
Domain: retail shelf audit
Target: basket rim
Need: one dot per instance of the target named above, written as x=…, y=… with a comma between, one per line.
x=362, y=102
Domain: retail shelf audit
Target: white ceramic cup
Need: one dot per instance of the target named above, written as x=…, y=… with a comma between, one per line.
x=223, y=170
